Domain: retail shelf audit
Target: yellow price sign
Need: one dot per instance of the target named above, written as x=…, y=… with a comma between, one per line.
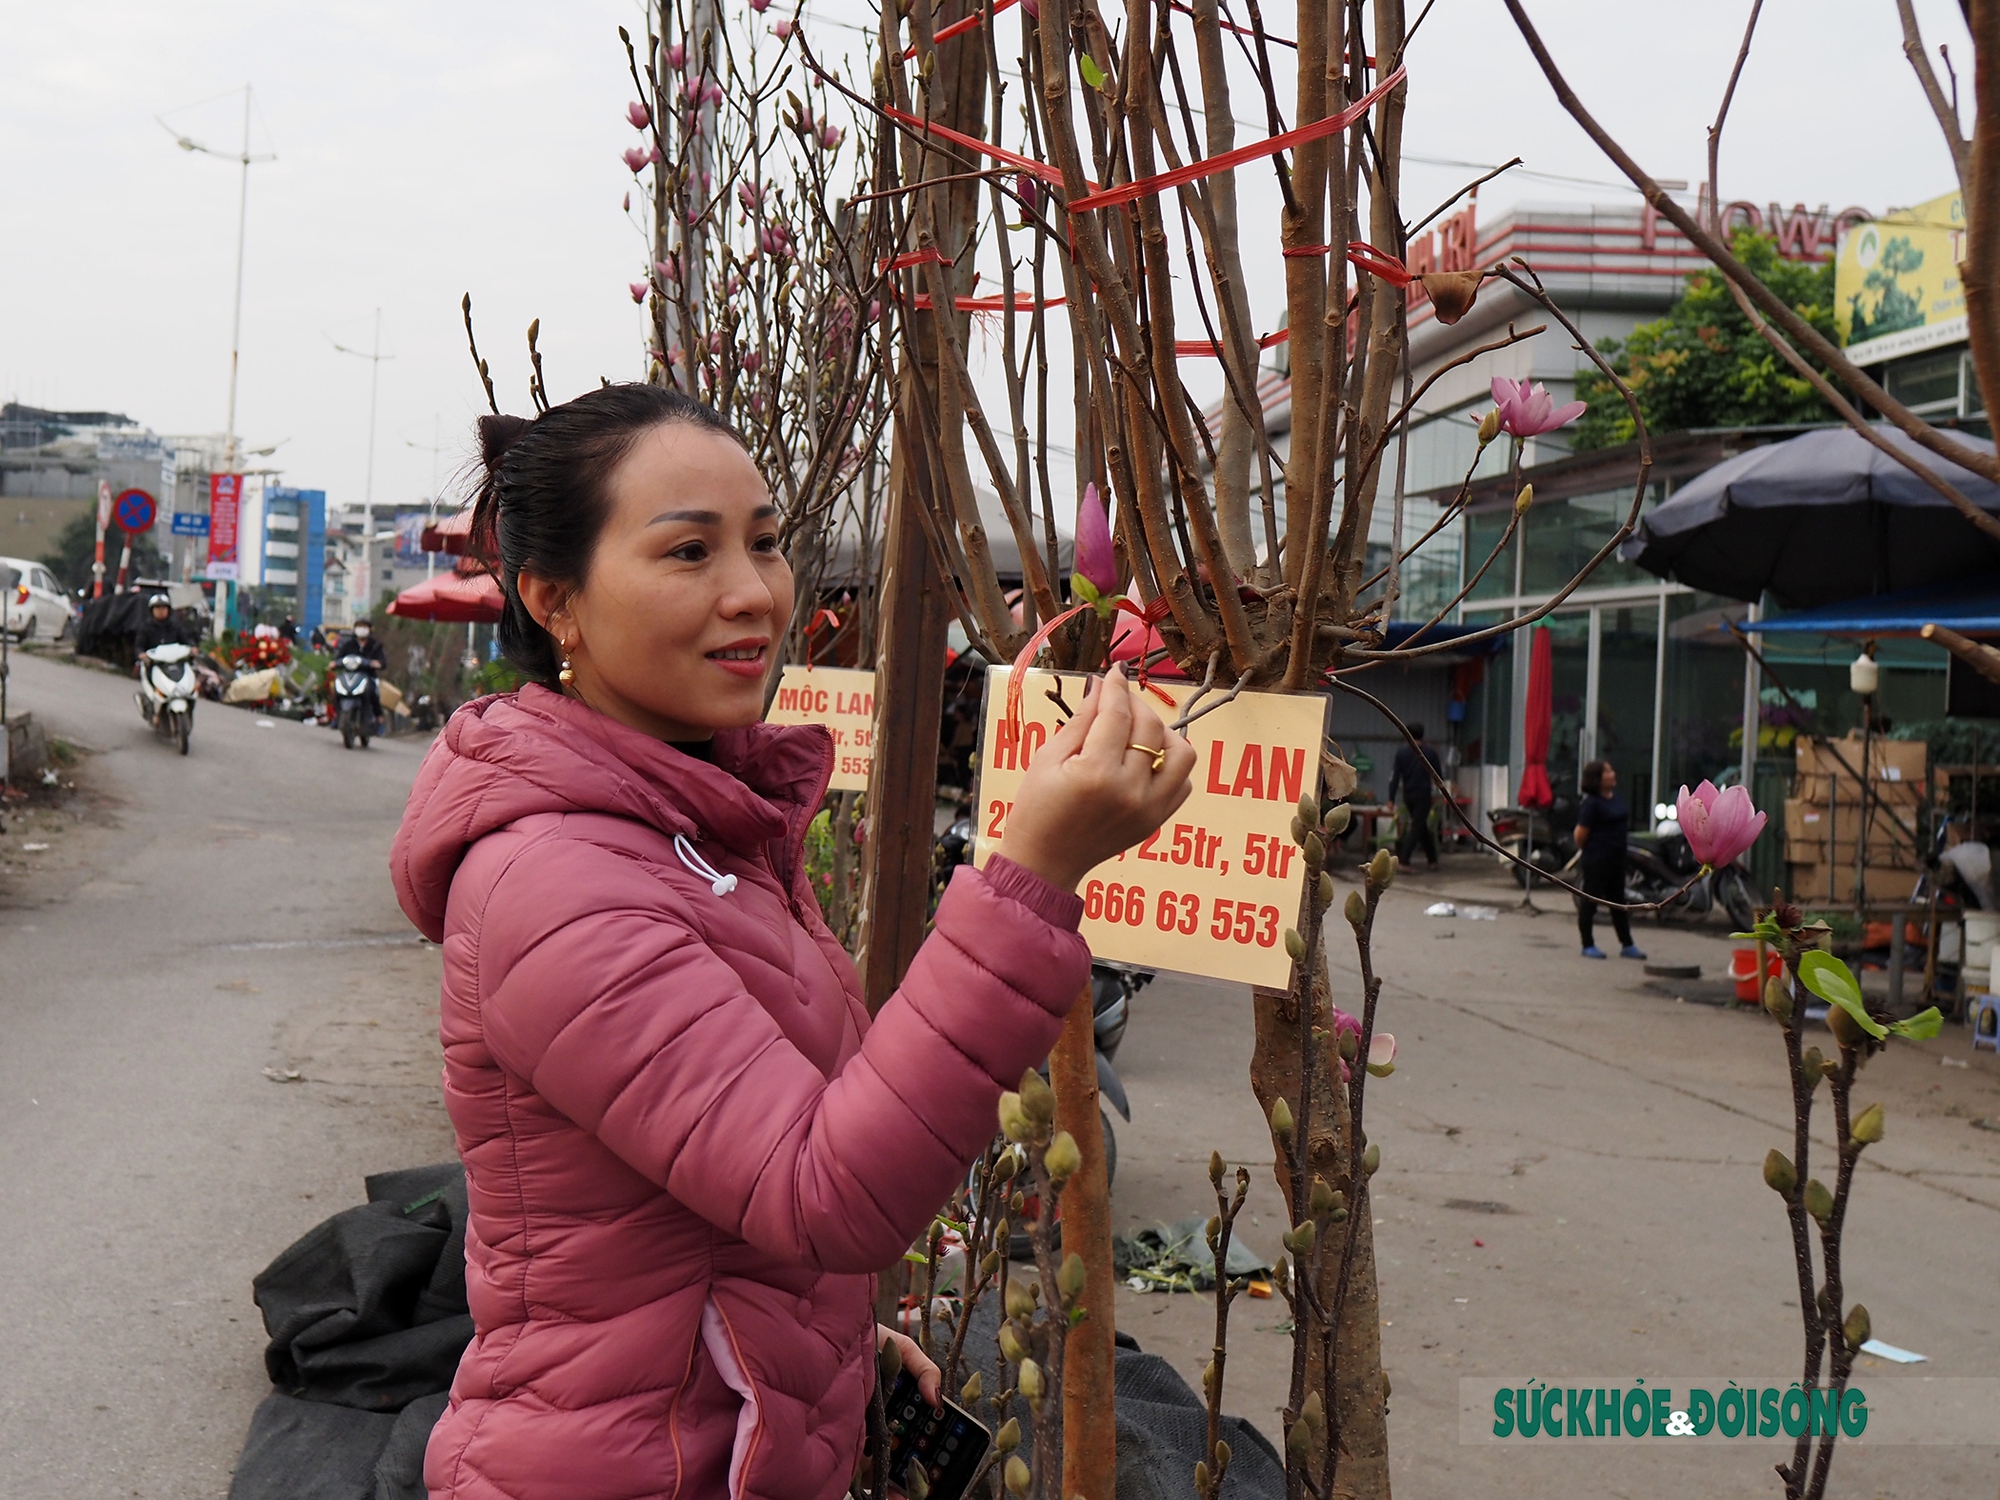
x=842, y=699
x=1214, y=890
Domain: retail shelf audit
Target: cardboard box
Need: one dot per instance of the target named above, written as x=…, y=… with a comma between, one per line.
x=1888, y=760
x=1825, y=790
x=1833, y=885
x=1818, y=834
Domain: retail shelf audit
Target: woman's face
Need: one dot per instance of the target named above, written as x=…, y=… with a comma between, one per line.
x=675, y=628
x=1610, y=783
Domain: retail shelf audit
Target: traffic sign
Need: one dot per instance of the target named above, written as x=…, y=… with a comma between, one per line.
x=1214, y=890
x=135, y=511
x=190, y=523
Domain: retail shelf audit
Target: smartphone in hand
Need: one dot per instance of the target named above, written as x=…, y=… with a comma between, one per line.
x=946, y=1441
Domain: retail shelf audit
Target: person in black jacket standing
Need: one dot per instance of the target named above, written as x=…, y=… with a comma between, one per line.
x=1602, y=824
x=1415, y=765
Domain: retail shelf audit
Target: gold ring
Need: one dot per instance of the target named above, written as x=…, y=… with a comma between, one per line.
x=1159, y=756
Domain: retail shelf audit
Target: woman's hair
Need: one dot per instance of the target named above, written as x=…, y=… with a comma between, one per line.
x=544, y=495
x=1593, y=777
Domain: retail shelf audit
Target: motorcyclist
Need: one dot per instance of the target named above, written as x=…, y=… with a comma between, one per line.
x=159, y=628
x=362, y=641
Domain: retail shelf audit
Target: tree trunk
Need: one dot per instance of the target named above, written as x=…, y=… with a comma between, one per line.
x=1090, y=1439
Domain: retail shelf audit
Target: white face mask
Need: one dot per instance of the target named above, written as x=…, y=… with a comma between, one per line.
x=361, y=632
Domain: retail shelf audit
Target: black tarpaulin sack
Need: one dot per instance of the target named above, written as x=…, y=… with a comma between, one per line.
x=368, y=1309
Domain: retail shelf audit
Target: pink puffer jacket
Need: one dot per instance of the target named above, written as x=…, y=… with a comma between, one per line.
x=687, y=1146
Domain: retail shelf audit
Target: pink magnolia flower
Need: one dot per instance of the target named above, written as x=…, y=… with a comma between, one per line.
x=1528, y=409
x=636, y=157
x=760, y=6
x=627, y=204
x=638, y=291
x=1343, y=1024
x=1382, y=1054
x=712, y=94
x=1029, y=191
x=677, y=56
x=829, y=137
x=749, y=195
x=669, y=269
x=783, y=30
x=1718, y=825
x=752, y=361
x=639, y=115
x=1033, y=8
x=1096, y=563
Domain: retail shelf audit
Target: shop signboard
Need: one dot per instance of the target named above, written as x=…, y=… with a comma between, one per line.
x=225, y=499
x=1896, y=289
x=1214, y=890
x=842, y=699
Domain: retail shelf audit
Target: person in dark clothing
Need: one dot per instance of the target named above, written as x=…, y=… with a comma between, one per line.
x=159, y=628
x=1412, y=773
x=1602, y=823
x=361, y=641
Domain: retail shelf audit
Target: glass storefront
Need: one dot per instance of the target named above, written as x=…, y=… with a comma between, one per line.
x=1628, y=640
x=1483, y=530
x=1702, y=709
x=1563, y=536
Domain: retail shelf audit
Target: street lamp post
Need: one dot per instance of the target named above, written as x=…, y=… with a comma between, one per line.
x=374, y=355
x=231, y=463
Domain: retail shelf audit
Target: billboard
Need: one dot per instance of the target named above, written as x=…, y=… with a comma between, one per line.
x=410, y=537
x=1895, y=281
x=225, y=499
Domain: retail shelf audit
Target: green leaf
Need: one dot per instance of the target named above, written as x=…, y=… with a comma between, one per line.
x=1092, y=74
x=1081, y=588
x=1923, y=1025
x=1831, y=980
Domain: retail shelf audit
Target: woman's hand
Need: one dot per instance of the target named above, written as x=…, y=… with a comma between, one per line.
x=1092, y=791
x=929, y=1377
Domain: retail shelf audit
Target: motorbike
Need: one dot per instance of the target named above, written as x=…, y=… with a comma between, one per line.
x=352, y=678
x=1540, y=836
x=1660, y=865
x=167, y=688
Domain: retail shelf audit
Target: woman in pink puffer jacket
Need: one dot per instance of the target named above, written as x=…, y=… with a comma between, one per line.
x=687, y=1146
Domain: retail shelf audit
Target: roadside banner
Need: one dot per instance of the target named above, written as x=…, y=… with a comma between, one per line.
x=225, y=497
x=1896, y=288
x=841, y=698
x=1214, y=890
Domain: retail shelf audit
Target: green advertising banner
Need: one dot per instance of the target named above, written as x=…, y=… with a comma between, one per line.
x=1895, y=279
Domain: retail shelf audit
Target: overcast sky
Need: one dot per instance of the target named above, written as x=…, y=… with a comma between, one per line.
x=426, y=150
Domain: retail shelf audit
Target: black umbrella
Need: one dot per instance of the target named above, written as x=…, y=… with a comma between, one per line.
x=1820, y=518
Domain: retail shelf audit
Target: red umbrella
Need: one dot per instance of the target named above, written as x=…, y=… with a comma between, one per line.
x=451, y=534
x=1535, y=790
x=459, y=598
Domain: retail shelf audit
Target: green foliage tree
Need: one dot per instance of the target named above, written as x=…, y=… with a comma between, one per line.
x=1702, y=365
x=76, y=547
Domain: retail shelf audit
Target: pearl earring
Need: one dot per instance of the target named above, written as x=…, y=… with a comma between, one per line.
x=568, y=674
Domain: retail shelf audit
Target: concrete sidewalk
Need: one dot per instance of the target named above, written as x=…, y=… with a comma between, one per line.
x=1571, y=1188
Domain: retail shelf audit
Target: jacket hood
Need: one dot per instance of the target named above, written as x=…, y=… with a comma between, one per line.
x=504, y=758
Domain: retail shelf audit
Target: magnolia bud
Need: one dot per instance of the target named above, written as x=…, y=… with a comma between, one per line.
x=1857, y=1328
x=1315, y=849
x=1281, y=1120
x=1818, y=1201
x=1222, y=1454
x=1017, y=1203
x=915, y=1485
x=1038, y=1100
x=1489, y=427
x=1299, y=1444
x=1357, y=910
x=970, y=1391
x=1339, y=1214
x=1312, y=1412
x=1031, y=1382
x=1000, y=1233
x=1349, y=1045
x=1070, y=1277
x=1016, y=1474
x=1298, y=831
x=1867, y=1126
x=1020, y=1301
x=1011, y=1345
x=1780, y=1176
x=1005, y=1168
x=1008, y=1438
x=1778, y=998
x=1523, y=500
x=1062, y=1158
x=1322, y=1196
x=1325, y=889
x=1813, y=1065
x=1299, y=1238
x=1846, y=1030
x=989, y=1265
x=1382, y=869
x=1200, y=1477
x=1308, y=809
x=1014, y=1121
x=1212, y=1230
x=888, y=1364
x=1215, y=1167
x=1371, y=1159
x=1295, y=946
x=1338, y=817
x=1209, y=1376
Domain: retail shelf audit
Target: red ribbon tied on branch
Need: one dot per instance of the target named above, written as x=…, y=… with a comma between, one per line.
x=1208, y=166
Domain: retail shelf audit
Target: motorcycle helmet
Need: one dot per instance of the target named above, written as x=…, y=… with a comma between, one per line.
x=159, y=601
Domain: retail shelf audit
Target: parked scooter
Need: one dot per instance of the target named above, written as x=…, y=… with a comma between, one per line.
x=167, y=689
x=1543, y=836
x=1658, y=865
x=353, y=676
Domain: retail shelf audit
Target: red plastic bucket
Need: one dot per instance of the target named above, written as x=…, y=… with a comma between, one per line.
x=1743, y=969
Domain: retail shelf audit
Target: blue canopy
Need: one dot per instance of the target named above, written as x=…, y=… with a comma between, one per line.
x=1970, y=606
x=1819, y=519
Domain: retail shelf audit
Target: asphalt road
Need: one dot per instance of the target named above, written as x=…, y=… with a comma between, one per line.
x=193, y=923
